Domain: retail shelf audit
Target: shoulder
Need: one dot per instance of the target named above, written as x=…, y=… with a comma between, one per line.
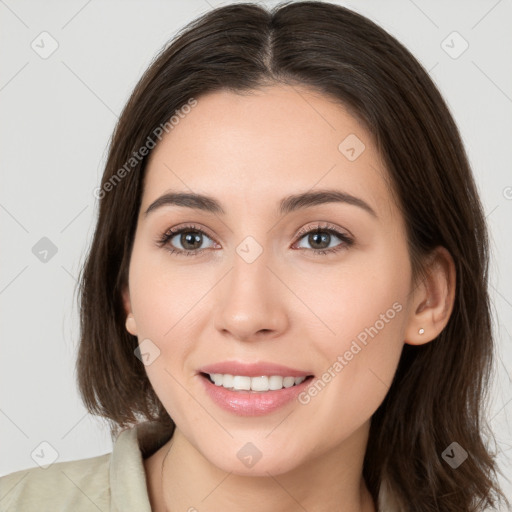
x=75, y=485
x=114, y=481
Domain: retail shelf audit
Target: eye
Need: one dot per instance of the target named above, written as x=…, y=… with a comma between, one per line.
x=189, y=237
x=320, y=238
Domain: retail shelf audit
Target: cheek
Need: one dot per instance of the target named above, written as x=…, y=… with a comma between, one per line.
x=361, y=307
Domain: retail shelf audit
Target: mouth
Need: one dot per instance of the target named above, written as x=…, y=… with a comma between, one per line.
x=245, y=395
x=253, y=389
x=256, y=384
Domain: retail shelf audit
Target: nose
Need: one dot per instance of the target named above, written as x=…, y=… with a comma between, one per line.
x=252, y=302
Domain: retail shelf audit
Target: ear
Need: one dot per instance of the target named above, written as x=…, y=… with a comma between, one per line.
x=131, y=325
x=433, y=299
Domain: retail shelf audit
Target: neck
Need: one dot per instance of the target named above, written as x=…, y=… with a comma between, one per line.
x=180, y=478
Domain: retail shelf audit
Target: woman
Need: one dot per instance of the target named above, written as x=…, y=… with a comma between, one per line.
x=285, y=302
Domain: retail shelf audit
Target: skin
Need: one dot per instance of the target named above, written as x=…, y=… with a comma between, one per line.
x=289, y=306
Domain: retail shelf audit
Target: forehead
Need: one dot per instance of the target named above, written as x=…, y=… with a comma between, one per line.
x=256, y=147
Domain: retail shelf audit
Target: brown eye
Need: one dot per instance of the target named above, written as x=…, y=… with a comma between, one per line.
x=185, y=241
x=320, y=239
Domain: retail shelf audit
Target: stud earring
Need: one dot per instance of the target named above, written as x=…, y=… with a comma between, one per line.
x=421, y=331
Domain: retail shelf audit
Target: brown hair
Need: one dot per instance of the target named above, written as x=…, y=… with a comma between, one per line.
x=439, y=388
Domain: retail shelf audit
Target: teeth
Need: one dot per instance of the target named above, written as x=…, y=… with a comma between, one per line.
x=263, y=383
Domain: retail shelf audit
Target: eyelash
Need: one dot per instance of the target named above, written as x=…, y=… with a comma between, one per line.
x=171, y=233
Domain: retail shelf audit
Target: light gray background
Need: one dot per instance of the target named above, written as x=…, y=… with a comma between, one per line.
x=57, y=115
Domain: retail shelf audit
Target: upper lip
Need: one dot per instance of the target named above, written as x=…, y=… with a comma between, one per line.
x=253, y=369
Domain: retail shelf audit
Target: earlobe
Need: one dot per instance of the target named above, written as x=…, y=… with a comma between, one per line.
x=433, y=303
x=130, y=324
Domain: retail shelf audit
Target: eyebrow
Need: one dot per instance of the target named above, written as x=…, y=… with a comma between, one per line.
x=287, y=205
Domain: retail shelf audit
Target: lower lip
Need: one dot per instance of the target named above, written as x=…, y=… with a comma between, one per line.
x=252, y=403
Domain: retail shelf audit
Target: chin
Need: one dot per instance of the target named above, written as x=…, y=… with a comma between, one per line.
x=280, y=462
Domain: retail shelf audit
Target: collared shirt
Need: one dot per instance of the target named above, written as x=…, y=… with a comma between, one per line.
x=114, y=482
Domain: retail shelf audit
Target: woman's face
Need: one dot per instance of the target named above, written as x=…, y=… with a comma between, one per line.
x=252, y=289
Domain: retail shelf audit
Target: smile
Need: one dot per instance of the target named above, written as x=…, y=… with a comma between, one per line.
x=261, y=383
x=253, y=396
